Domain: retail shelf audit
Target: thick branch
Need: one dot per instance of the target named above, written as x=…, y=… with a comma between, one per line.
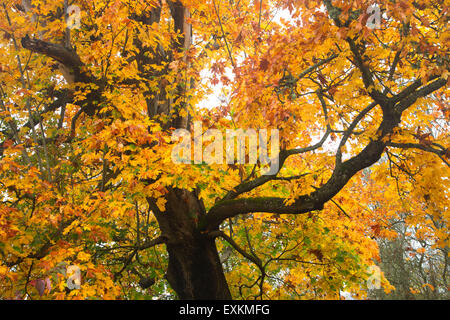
x=72, y=68
x=313, y=201
x=59, y=53
x=420, y=93
x=440, y=152
x=350, y=129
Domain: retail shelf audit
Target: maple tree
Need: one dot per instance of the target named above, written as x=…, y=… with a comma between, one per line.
x=86, y=117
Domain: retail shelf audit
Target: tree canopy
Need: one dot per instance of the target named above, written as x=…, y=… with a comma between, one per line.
x=92, y=91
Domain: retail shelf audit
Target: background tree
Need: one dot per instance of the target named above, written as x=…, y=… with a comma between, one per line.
x=413, y=264
x=87, y=114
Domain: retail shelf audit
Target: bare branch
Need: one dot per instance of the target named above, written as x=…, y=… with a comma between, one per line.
x=440, y=152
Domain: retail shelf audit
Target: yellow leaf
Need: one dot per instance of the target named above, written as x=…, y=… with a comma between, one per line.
x=161, y=203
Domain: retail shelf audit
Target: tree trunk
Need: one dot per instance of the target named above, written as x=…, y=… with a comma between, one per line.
x=194, y=270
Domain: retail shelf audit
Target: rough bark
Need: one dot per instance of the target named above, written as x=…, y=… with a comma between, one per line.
x=194, y=270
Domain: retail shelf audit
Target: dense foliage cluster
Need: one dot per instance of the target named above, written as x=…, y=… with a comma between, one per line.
x=89, y=98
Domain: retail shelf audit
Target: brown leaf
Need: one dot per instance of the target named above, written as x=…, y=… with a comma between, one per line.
x=318, y=253
x=264, y=64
